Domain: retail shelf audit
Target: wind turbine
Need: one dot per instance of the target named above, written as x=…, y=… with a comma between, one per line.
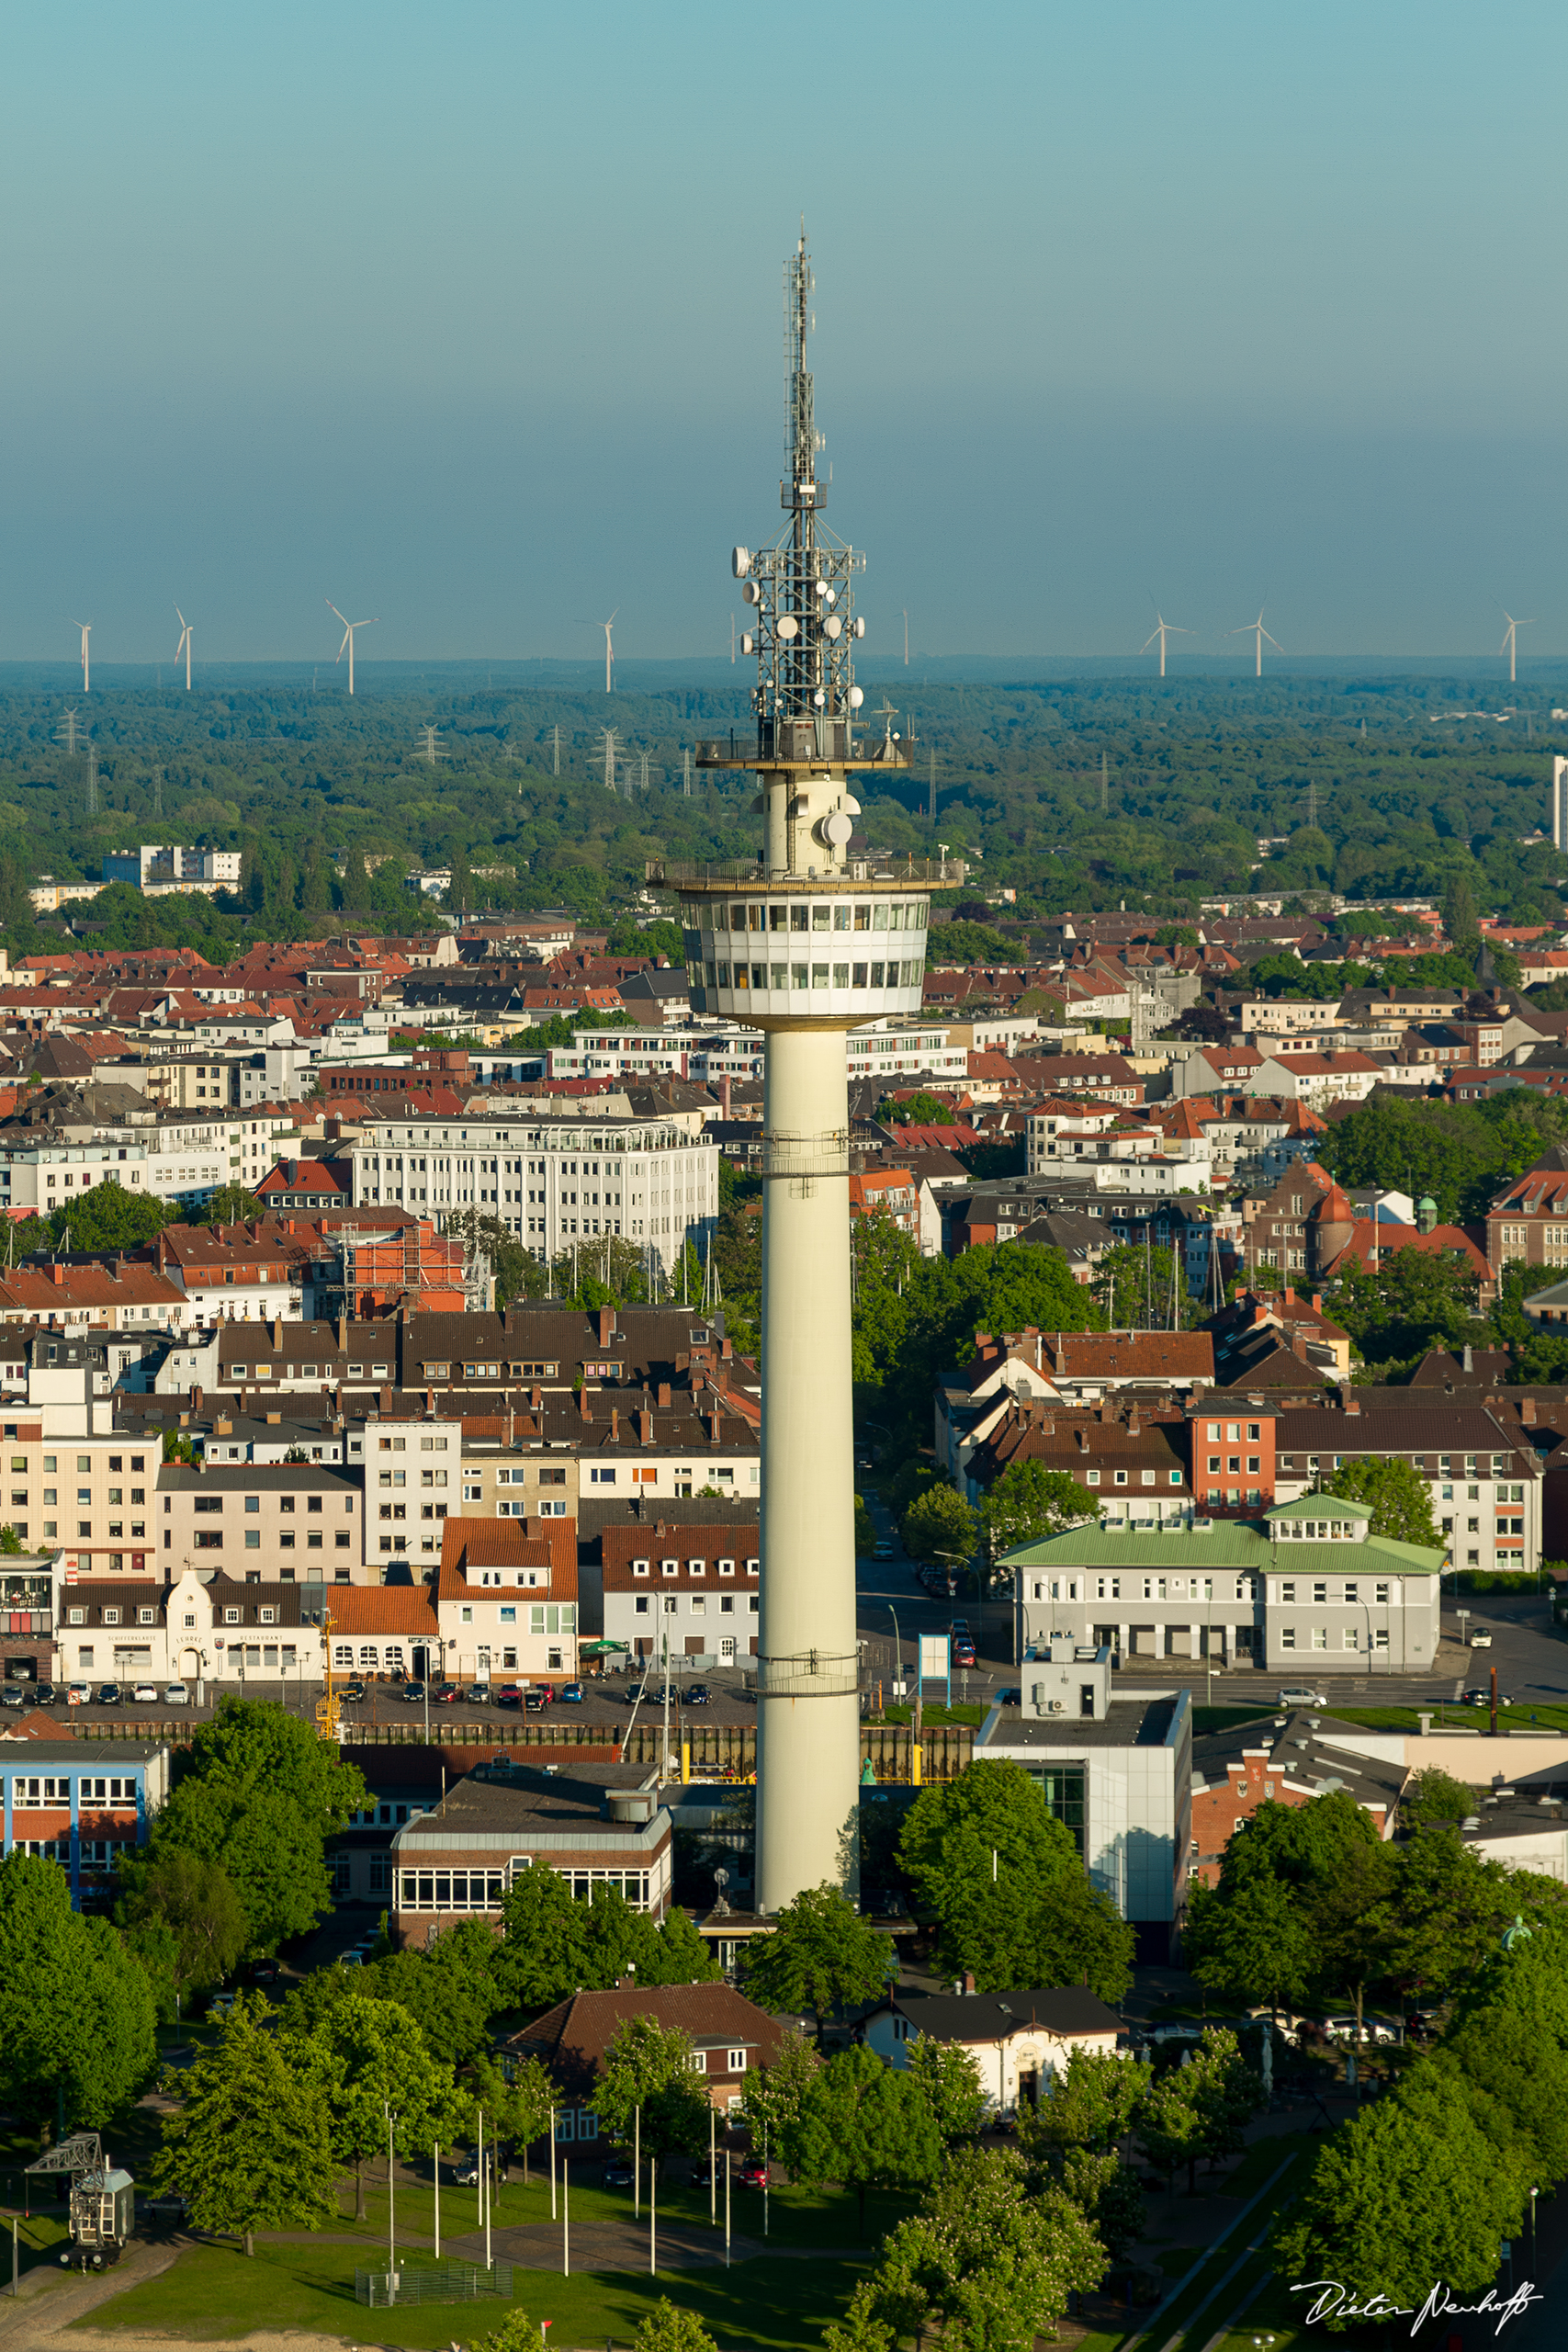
x=87, y=629
x=1510, y=640
x=1162, y=629
x=609, y=645
x=348, y=628
x=1256, y=629
x=184, y=646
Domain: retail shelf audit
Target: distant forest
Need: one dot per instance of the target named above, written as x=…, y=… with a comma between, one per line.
x=1076, y=795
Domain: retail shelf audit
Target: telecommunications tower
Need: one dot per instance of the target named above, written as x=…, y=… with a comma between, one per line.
x=814, y=937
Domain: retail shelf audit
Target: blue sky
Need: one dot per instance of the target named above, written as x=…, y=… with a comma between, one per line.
x=469, y=318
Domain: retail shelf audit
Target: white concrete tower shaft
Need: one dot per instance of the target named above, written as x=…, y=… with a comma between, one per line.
x=815, y=936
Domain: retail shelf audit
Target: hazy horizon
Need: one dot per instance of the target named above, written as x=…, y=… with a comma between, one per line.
x=473, y=325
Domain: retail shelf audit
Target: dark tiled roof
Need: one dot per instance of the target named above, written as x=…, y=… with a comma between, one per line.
x=988, y=2017
x=572, y=2038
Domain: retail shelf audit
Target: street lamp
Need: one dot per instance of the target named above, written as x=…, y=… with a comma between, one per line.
x=898, y=1648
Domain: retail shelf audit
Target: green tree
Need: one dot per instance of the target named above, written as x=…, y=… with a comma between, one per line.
x=1397, y=1495
x=950, y=2079
x=1410, y=2193
x=918, y=1109
x=249, y=2147
x=820, y=1957
x=988, y=1826
x=1199, y=2109
x=76, y=2011
x=516, y=2108
x=1029, y=1503
x=1091, y=2102
x=865, y=1530
x=665, y=2329
x=231, y=1205
x=772, y=2097
x=1109, y=2195
x=1434, y=1796
x=988, y=2264
x=258, y=1794
x=451, y=2002
x=543, y=1940
x=1460, y=919
x=940, y=1525
x=183, y=1917
x=111, y=1217
x=365, y=2057
x=1255, y=1944
x=866, y=2125
x=647, y=2070
x=518, y=1273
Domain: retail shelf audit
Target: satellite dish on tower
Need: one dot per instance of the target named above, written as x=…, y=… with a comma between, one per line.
x=742, y=562
x=788, y=626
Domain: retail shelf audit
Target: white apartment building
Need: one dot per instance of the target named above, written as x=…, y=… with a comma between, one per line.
x=157, y=870
x=554, y=1182
x=182, y=1156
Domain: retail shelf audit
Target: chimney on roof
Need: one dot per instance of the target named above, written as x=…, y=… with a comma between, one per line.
x=1469, y=1361
x=535, y=1398
x=1317, y=1302
x=664, y=1396
x=1526, y=1412
x=606, y=1325
x=645, y=1427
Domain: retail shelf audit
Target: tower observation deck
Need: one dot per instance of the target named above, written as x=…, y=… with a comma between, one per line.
x=813, y=938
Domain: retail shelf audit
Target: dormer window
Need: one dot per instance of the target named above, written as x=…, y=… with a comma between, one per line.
x=640, y=1568
x=669, y=1567
x=727, y=1567
x=230, y=1616
x=696, y=1567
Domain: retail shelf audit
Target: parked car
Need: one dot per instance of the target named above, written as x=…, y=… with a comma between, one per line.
x=964, y=1652
x=754, y=2173
x=1481, y=1641
x=144, y=1695
x=109, y=1694
x=266, y=1971
x=46, y=1695
x=959, y=1628
x=354, y=1693
x=446, y=1696
x=509, y=1695
x=468, y=2173
x=175, y=1694
x=477, y=1694
x=354, y=1959
x=532, y=1702
x=698, y=1695
x=881, y=1549
x=15, y=1694
x=79, y=1694
x=702, y=2172
x=618, y=2173
x=413, y=1694
x=634, y=1692
x=572, y=1695
x=220, y=2004
x=1300, y=1694
x=1481, y=1696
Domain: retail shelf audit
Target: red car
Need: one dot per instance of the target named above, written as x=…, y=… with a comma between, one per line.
x=446, y=1696
x=754, y=2173
x=963, y=1653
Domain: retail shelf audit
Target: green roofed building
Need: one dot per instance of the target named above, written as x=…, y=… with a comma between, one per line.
x=1302, y=1592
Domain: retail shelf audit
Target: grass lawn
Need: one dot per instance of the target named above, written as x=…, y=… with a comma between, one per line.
x=900, y=1714
x=1450, y=1717
x=796, y=2216
x=774, y=2304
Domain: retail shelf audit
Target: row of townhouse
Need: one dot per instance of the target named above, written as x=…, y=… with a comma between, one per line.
x=499, y=1602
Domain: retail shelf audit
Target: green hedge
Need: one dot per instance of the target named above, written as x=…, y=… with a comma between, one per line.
x=1498, y=1580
